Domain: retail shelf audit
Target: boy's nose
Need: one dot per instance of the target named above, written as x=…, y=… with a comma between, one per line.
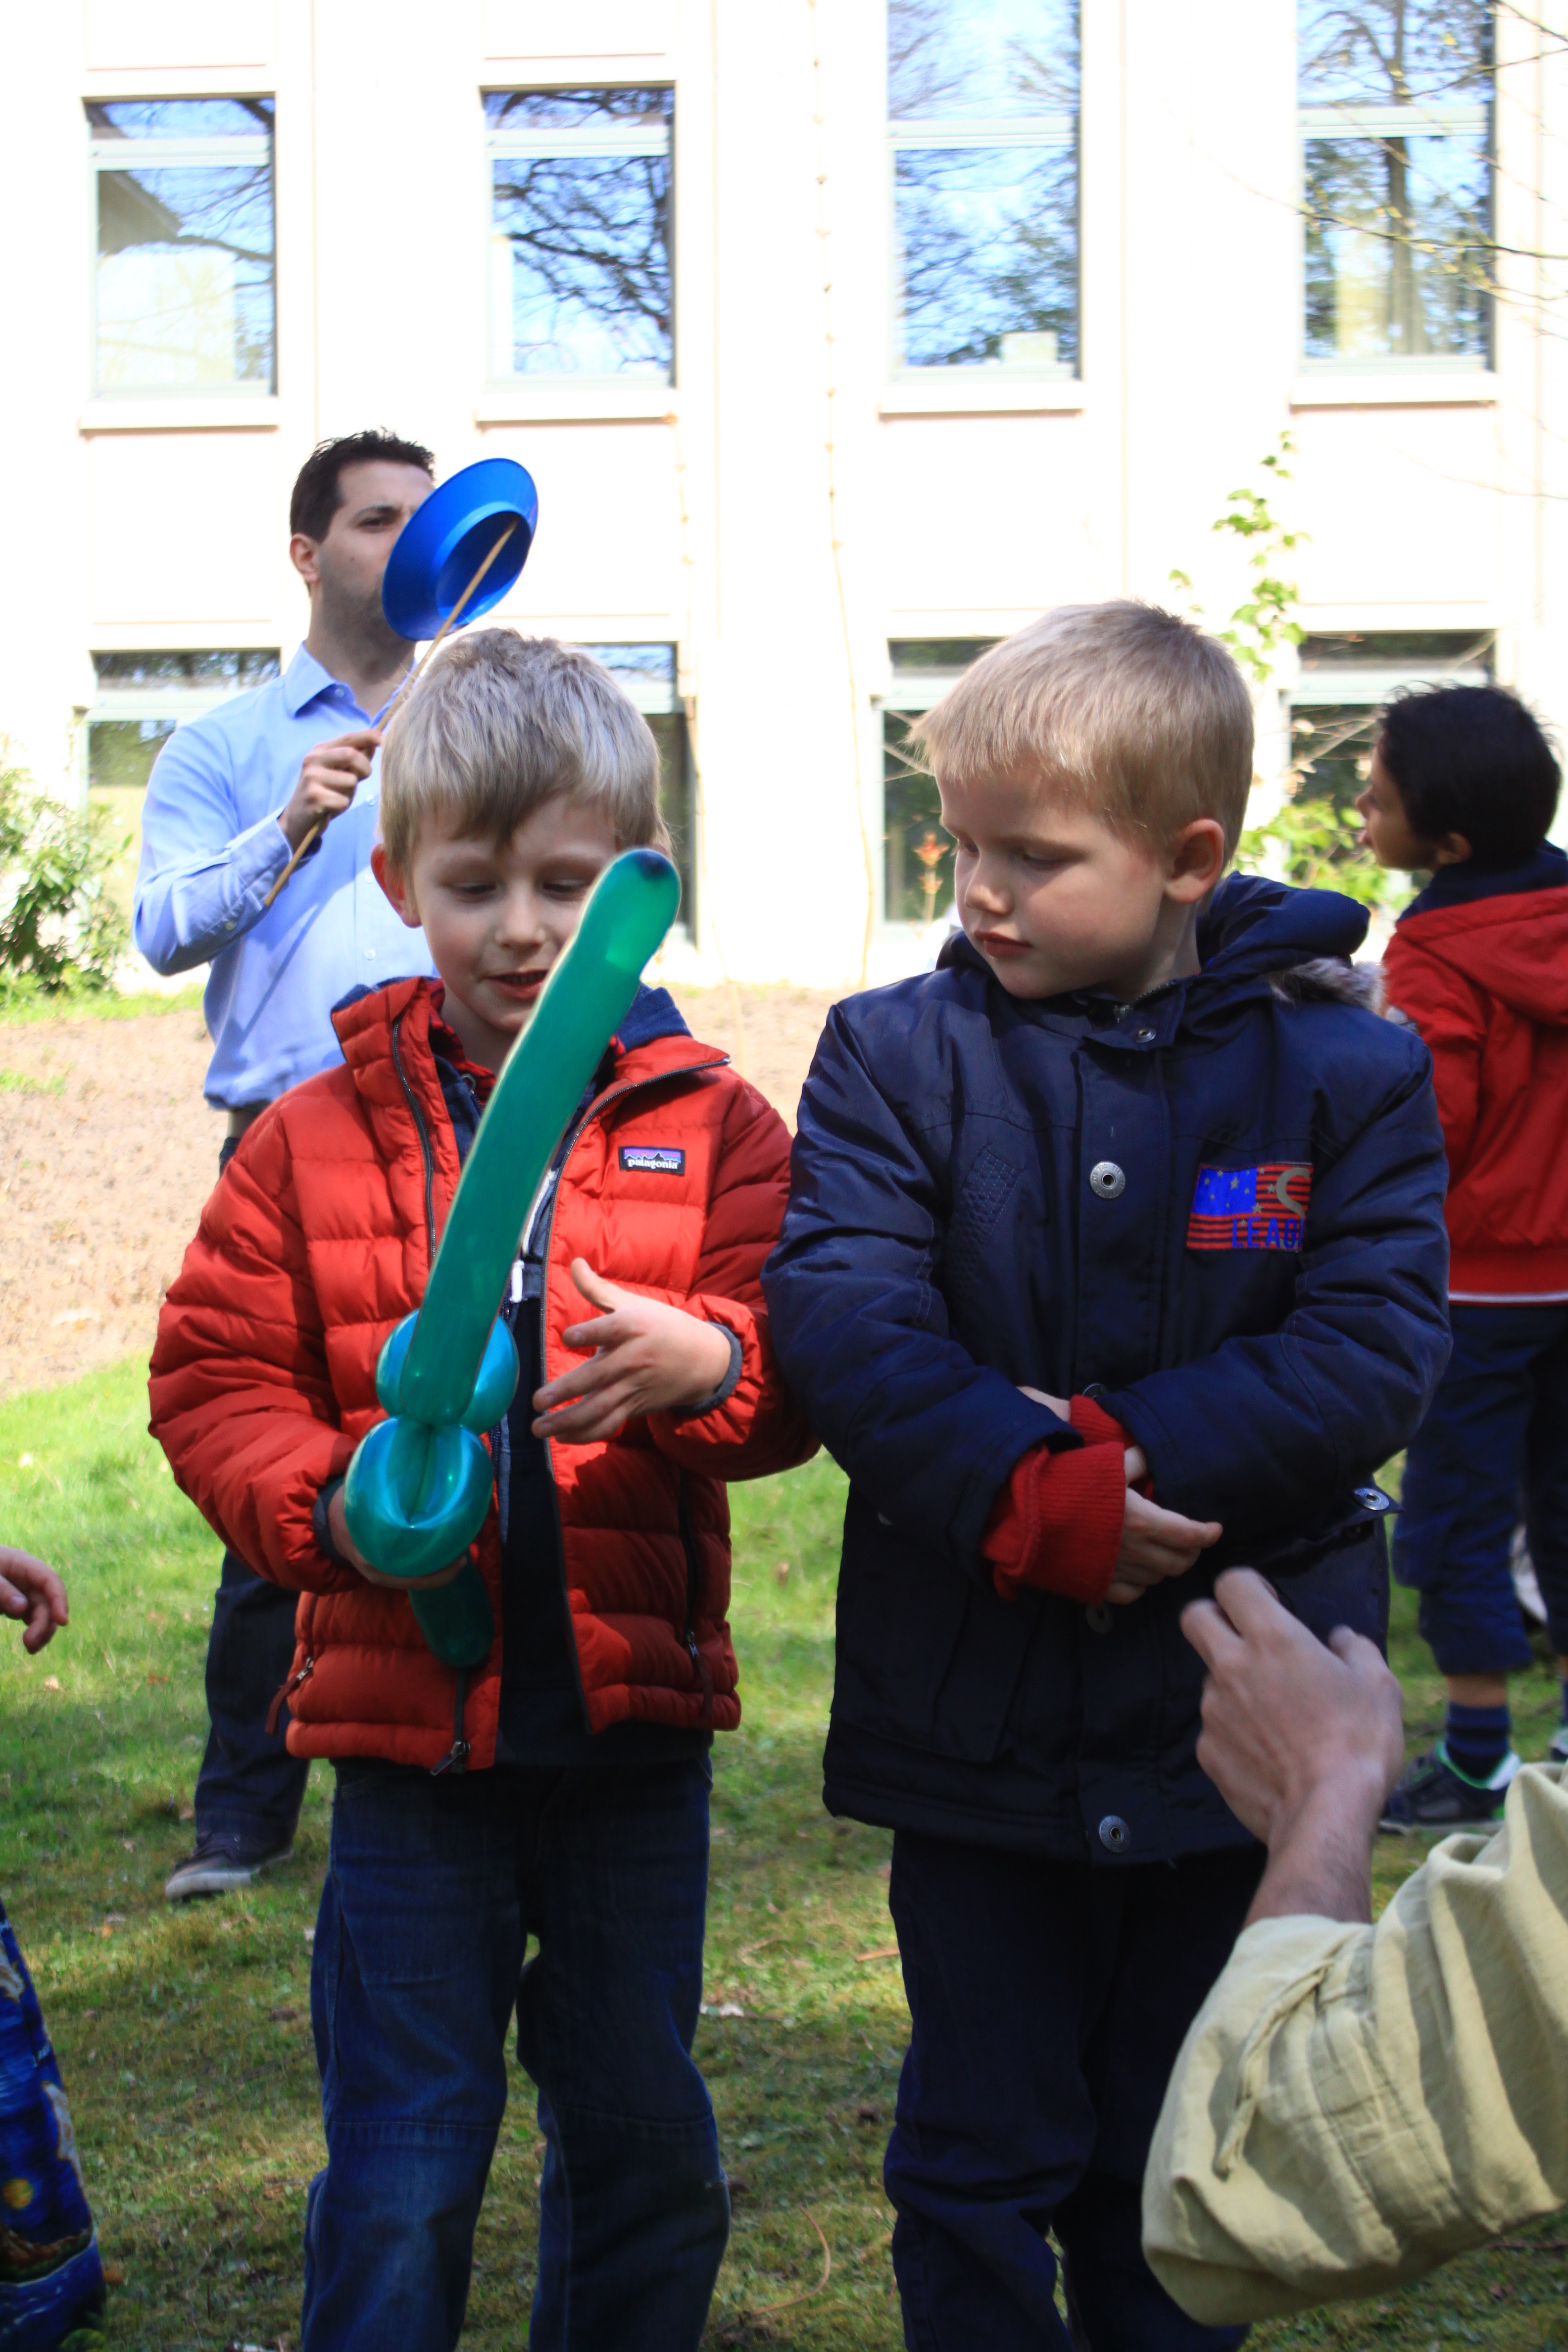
x=520, y=925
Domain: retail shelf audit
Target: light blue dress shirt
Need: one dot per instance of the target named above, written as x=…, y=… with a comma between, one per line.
x=211, y=848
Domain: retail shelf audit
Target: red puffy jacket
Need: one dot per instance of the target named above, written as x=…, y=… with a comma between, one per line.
x=320, y=1237
x=1485, y=981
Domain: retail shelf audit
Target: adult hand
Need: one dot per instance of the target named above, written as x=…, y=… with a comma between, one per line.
x=647, y=1357
x=337, y=1519
x=30, y=1590
x=1154, y=1543
x=1303, y=1740
x=333, y=773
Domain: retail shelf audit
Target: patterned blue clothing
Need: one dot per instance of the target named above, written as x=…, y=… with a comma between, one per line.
x=51, y=2280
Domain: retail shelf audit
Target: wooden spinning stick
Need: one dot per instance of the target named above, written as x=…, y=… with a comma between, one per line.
x=453, y=617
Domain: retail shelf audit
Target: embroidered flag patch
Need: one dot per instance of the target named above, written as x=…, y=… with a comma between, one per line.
x=1250, y=1208
x=653, y=1158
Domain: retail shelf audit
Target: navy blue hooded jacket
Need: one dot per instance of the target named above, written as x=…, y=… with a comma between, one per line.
x=1219, y=1209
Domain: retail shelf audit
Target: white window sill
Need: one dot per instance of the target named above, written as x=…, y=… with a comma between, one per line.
x=1462, y=389
x=545, y=400
x=979, y=392
x=242, y=414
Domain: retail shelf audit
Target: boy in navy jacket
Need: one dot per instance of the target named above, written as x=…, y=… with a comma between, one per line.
x=1115, y=1254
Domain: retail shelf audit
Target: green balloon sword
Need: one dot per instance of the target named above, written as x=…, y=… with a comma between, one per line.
x=419, y=1486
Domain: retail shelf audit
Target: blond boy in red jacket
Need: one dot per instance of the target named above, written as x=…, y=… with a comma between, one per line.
x=1464, y=786
x=560, y=1789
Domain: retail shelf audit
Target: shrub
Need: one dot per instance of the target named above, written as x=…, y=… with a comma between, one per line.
x=60, y=928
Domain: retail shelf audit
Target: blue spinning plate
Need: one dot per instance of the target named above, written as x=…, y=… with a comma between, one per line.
x=441, y=547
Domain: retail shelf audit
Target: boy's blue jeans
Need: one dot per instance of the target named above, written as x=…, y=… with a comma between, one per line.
x=1048, y=2001
x=433, y=1889
x=1493, y=1446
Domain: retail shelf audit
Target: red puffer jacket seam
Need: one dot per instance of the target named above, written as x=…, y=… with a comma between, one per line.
x=318, y=1240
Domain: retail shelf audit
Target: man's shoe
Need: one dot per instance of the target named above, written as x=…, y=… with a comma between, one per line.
x=224, y=1859
x=1435, y=1794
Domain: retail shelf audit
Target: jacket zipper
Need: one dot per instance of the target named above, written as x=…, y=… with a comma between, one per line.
x=699, y=1665
x=424, y=1134
x=596, y=1110
x=456, y=1759
x=286, y=1690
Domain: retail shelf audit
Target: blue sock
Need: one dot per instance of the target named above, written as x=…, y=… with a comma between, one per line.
x=1477, y=1738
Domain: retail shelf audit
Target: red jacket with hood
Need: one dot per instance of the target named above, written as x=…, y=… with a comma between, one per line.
x=1479, y=965
x=320, y=1237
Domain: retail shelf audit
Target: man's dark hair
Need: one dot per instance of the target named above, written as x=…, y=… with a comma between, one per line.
x=317, y=494
x=1471, y=760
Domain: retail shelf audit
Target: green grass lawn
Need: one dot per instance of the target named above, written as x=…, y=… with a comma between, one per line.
x=184, y=2034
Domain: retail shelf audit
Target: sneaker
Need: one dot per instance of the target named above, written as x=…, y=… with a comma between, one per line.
x=1434, y=1794
x=1557, y=1748
x=224, y=1859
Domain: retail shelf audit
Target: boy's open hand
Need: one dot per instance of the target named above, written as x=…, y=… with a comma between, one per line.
x=647, y=1357
x=1154, y=1543
x=30, y=1590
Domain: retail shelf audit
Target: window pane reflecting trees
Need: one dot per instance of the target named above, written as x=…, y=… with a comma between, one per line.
x=1395, y=100
x=183, y=296
x=983, y=97
x=581, y=232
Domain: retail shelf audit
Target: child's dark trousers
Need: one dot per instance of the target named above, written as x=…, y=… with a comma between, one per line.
x=1049, y=2000
x=433, y=1887
x=1493, y=1448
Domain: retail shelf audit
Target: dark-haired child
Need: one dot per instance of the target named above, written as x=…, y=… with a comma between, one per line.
x=1464, y=786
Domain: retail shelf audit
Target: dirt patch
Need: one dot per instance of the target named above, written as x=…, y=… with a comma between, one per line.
x=108, y=1151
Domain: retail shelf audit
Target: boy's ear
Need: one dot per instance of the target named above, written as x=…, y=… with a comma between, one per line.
x=395, y=884
x=1197, y=859
x=1452, y=850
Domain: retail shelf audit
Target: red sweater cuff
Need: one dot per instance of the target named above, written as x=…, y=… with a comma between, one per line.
x=1058, y=1523
x=1094, y=1424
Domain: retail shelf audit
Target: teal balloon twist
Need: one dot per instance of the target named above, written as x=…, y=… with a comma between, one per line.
x=419, y=1486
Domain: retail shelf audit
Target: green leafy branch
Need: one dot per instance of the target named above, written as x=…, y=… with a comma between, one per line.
x=1265, y=620
x=60, y=927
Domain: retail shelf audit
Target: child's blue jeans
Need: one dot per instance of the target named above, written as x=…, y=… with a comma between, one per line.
x=433, y=1887
x=1493, y=1448
x=1048, y=2000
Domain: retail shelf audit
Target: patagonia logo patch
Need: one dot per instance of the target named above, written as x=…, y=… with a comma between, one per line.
x=1250, y=1208
x=653, y=1158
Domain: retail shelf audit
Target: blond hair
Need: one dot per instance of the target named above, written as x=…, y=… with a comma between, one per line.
x=1130, y=713
x=497, y=725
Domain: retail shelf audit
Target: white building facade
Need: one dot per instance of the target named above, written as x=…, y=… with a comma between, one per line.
x=840, y=336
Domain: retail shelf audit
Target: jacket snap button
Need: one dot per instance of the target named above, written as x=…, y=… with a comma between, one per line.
x=1373, y=1496
x=1102, y=1618
x=1106, y=1179
x=1114, y=1833
x=1147, y=1037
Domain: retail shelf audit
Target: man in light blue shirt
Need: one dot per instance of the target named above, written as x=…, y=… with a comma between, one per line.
x=232, y=797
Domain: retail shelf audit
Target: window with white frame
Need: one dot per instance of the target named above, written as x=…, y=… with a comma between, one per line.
x=582, y=240
x=1395, y=100
x=183, y=287
x=139, y=701
x=1344, y=682
x=647, y=672
x=917, y=854
x=982, y=104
